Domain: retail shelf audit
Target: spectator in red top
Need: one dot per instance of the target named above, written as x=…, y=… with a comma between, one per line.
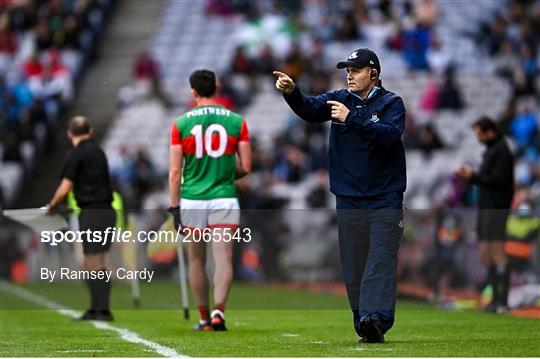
x=57, y=66
x=32, y=67
x=241, y=63
x=145, y=68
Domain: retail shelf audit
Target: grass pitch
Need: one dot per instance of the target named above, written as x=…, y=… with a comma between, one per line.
x=274, y=324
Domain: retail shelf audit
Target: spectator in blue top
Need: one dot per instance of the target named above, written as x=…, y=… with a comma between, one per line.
x=524, y=128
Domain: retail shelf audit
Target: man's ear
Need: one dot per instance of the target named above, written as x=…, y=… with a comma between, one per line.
x=194, y=93
x=373, y=74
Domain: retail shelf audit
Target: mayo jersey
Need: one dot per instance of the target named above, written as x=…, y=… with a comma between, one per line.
x=209, y=136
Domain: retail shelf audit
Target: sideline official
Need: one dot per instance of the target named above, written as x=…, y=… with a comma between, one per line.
x=495, y=181
x=86, y=172
x=367, y=175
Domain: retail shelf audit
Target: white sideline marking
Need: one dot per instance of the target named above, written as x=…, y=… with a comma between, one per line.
x=125, y=334
x=318, y=342
x=376, y=349
x=290, y=335
x=81, y=351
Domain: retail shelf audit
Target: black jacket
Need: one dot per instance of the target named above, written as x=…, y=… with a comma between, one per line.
x=366, y=155
x=86, y=165
x=495, y=179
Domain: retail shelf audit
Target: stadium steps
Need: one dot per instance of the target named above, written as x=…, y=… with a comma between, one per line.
x=135, y=20
x=187, y=39
x=97, y=95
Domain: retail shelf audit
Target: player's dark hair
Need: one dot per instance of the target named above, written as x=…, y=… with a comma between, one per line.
x=203, y=82
x=79, y=126
x=485, y=124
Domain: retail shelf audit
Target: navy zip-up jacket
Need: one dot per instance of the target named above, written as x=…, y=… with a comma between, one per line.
x=365, y=153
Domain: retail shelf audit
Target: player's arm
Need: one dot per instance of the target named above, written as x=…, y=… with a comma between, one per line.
x=176, y=160
x=175, y=174
x=61, y=193
x=243, y=163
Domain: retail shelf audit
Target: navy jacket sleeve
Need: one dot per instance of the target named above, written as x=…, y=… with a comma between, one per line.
x=388, y=129
x=310, y=108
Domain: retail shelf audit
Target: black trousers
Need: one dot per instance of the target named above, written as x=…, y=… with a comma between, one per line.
x=370, y=231
x=96, y=217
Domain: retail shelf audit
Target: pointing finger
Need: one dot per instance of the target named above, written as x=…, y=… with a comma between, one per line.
x=279, y=74
x=334, y=103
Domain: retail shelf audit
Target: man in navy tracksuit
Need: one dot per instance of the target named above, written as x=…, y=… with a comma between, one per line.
x=367, y=175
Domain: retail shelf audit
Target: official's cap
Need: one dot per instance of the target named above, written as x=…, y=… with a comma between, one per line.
x=361, y=58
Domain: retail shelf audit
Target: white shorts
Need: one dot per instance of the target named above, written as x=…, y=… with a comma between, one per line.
x=211, y=213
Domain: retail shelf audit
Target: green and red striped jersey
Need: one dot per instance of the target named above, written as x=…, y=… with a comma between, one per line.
x=209, y=136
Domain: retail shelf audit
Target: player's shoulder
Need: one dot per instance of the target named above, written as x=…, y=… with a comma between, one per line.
x=190, y=116
x=183, y=117
x=236, y=116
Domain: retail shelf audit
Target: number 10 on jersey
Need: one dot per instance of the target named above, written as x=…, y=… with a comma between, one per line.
x=206, y=146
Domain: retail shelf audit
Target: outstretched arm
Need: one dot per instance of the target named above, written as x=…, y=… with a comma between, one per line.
x=308, y=108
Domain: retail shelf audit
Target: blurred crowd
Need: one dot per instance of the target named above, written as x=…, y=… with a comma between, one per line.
x=44, y=48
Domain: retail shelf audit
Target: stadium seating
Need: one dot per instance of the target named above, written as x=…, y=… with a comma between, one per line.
x=66, y=60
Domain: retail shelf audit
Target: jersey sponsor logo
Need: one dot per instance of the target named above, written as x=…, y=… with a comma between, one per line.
x=374, y=117
x=203, y=111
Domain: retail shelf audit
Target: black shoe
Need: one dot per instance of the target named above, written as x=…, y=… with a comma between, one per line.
x=104, y=315
x=218, y=320
x=202, y=326
x=371, y=330
x=90, y=314
x=491, y=308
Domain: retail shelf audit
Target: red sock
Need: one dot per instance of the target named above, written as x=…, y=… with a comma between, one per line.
x=221, y=306
x=204, y=311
